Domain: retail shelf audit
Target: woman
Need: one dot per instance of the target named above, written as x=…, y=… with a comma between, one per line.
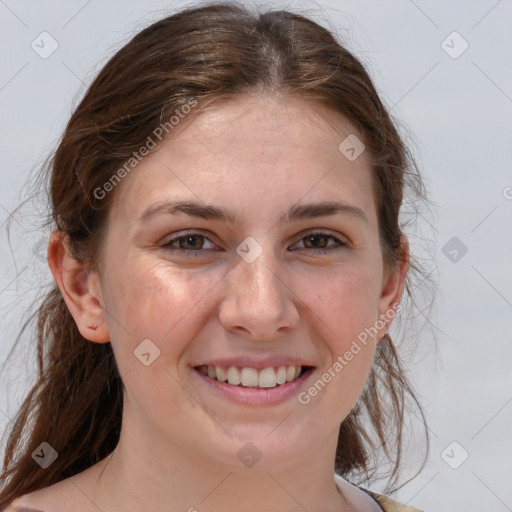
x=228, y=261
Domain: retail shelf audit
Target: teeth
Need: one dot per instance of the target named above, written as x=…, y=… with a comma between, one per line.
x=233, y=376
x=221, y=374
x=281, y=375
x=250, y=377
x=267, y=378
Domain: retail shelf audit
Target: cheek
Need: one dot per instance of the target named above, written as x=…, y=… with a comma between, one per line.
x=170, y=308
x=344, y=302
x=159, y=303
x=342, y=308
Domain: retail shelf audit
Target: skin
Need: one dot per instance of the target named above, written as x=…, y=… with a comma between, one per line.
x=257, y=156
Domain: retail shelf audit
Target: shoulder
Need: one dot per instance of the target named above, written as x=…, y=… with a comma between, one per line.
x=69, y=495
x=20, y=508
x=59, y=497
x=389, y=505
x=22, y=504
x=14, y=508
x=36, y=501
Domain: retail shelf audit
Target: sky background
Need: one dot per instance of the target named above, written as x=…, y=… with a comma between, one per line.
x=444, y=71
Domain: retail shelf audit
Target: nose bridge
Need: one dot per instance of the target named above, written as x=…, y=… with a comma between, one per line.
x=257, y=280
x=258, y=300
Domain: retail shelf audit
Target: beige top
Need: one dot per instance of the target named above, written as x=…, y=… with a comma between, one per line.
x=389, y=505
x=385, y=503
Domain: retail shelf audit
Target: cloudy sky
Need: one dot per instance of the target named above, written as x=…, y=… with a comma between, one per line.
x=444, y=71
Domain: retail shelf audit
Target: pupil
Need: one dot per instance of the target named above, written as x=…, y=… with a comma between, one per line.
x=189, y=240
x=315, y=239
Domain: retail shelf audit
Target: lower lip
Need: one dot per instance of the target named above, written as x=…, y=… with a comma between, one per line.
x=256, y=396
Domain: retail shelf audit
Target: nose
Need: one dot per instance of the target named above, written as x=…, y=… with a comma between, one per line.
x=259, y=304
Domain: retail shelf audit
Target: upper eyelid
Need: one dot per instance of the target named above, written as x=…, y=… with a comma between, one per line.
x=322, y=233
x=188, y=233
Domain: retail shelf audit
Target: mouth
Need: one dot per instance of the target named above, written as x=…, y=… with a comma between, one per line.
x=246, y=377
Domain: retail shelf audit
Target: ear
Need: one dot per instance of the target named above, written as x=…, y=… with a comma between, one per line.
x=80, y=288
x=392, y=286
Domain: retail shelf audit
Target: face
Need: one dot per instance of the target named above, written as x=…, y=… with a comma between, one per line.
x=247, y=278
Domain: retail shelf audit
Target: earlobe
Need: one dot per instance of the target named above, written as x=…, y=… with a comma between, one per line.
x=392, y=288
x=80, y=288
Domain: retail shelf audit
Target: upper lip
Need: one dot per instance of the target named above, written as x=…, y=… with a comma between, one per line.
x=257, y=364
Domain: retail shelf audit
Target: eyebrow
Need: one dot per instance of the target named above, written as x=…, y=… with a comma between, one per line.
x=210, y=212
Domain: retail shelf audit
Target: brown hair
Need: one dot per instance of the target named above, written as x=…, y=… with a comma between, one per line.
x=206, y=53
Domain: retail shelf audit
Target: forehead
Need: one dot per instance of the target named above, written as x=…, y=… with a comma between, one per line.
x=259, y=126
x=247, y=151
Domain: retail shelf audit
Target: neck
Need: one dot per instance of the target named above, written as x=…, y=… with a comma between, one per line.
x=149, y=473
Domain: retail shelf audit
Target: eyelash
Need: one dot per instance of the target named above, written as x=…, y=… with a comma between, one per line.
x=196, y=252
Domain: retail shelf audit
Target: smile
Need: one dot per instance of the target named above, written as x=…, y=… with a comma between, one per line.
x=267, y=378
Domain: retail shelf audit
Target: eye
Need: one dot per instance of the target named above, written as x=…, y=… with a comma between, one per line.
x=190, y=244
x=318, y=241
